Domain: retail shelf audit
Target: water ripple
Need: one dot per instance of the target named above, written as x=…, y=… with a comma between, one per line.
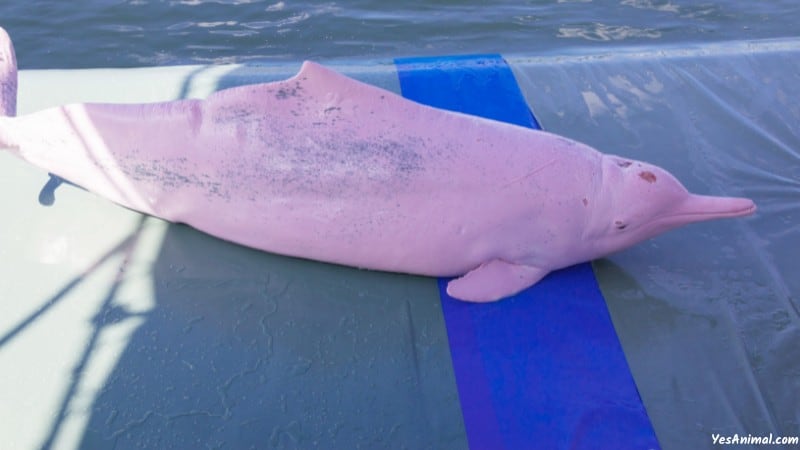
x=124, y=33
x=603, y=32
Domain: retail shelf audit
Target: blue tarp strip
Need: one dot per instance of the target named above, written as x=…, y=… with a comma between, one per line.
x=543, y=369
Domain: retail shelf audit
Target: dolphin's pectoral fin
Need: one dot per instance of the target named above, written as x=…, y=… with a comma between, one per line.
x=494, y=280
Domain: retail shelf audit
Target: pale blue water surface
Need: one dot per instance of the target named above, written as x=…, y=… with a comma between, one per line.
x=125, y=33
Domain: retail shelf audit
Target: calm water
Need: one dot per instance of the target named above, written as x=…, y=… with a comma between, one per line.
x=122, y=33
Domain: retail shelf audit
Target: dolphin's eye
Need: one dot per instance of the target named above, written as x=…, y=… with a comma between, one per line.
x=620, y=225
x=623, y=163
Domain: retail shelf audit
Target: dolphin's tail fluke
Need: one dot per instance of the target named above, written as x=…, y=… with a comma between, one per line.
x=8, y=76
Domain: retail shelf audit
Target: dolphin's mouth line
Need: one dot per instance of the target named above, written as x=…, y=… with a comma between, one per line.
x=711, y=214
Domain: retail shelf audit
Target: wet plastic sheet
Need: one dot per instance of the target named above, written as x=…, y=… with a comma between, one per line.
x=708, y=315
x=543, y=369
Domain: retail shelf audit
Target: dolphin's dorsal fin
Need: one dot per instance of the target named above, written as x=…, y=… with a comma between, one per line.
x=320, y=78
x=326, y=86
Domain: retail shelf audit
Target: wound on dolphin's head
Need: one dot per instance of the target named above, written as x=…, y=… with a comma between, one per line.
x=648, y=176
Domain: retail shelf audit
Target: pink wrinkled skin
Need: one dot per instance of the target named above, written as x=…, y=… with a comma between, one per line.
x=324, y=167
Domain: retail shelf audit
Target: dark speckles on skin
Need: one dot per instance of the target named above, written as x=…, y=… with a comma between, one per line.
x=310, y=156
x=172, y=174
x=287, y=92
x=283, y=94
x=398, y=158
x=235, y=115
x=332, y=166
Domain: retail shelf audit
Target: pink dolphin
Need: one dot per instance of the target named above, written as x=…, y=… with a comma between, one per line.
x=324, y=167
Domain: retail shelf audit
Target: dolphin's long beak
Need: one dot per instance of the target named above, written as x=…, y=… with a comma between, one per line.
x=699, y=208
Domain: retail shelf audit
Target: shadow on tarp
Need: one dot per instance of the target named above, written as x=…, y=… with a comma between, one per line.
x=248, y=349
